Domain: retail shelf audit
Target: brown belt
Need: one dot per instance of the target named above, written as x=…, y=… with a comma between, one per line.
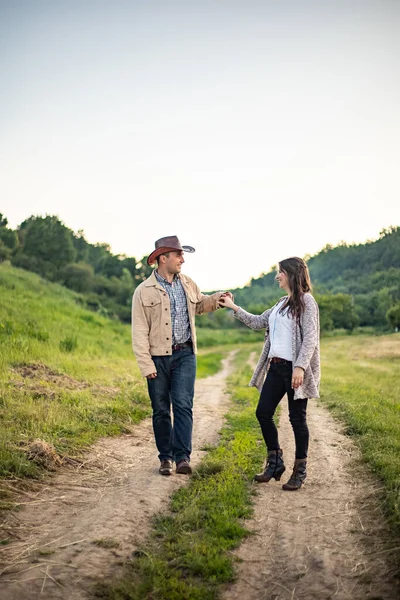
x=276, y=359
x=181, y=346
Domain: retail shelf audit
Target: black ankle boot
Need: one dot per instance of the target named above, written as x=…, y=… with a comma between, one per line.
x=298, y=476
x=273, y=469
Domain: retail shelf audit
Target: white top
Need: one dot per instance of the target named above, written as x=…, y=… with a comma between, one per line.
x=280, y=334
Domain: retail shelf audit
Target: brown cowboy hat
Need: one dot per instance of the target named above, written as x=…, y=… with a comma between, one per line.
x=167, y=244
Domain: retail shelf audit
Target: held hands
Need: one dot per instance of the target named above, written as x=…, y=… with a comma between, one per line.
x=297, y=377
x=151, y=376
x=226, y=301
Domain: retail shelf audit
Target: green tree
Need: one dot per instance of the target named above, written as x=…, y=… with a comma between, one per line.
x=8, y=238
x=77, y=276
x=81, y=246
x=143, y=270
x=336, y=312
x=5, y=253
x=393, y=316
x=47, y=239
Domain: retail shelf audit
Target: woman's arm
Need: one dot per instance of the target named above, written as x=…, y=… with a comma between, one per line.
x=310, y=327
x=252, y=321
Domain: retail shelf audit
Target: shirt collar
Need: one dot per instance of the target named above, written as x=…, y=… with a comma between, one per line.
x=161, y=279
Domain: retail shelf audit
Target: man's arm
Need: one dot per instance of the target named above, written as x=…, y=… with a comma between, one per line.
x=207, y=303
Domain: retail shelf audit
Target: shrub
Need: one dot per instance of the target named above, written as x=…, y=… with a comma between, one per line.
x=69, y=343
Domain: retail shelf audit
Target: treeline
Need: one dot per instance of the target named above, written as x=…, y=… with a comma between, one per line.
x=355, y=285
x=104, y=281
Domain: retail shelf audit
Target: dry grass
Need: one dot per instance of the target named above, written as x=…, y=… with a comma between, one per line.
x=44, y=454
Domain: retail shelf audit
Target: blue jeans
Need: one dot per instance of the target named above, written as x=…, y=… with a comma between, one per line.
x=174, y=385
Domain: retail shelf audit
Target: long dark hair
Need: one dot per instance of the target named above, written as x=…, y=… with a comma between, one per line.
x=299, y=283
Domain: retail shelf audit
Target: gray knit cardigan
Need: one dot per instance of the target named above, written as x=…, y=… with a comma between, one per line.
x=305, y=346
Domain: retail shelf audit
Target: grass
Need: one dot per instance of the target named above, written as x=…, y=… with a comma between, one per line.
x=67, y=376
x=360, y=384
x=207, y=338
x=106, y=543
x=188, y=554
x=209, y=363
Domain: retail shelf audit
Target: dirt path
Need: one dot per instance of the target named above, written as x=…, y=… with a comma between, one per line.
x=326, y=541
x=61, y=535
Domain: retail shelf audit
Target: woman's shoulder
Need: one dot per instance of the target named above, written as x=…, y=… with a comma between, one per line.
x=309, y=299
x=277, y=304
x=283, y=299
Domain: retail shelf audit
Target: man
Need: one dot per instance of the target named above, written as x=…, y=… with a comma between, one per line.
x=164, y=342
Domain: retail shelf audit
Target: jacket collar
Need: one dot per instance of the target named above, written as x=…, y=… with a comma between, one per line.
x=152, y=281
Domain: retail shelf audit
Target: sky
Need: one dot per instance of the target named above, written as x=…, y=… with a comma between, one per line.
x=253, y=130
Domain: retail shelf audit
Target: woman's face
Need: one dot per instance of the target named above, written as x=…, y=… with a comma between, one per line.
x=282, y=278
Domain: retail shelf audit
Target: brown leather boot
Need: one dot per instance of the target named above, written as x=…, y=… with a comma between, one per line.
x=273, y=469
x=298, y=476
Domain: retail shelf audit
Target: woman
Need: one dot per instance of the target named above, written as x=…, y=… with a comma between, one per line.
x=290, y=360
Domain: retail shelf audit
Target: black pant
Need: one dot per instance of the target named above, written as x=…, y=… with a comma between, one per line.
x=277, y=384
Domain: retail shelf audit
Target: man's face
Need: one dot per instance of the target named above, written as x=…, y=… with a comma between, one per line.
x=174, y=262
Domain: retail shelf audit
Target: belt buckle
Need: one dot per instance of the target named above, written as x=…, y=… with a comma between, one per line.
x=180, y=346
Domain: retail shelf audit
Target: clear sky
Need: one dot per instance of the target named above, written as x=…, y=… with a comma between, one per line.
x=253, y=130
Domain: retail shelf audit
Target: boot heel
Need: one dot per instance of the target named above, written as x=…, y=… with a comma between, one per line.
x=274, y=467
x=298, y=476
x=278, y=476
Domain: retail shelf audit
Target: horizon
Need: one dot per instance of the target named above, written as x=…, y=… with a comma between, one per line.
x=253, y=131
x=306, y=256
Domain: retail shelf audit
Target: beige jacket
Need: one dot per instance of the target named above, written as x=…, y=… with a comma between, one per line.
x=151, y=319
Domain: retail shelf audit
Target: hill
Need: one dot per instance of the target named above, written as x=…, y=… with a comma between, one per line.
x=355, y=285
x=67, y=375
x=364, y=278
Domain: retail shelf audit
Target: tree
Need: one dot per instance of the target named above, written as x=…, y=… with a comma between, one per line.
x=5, y=253
x=47, y=239
x=393, y=316
x=8, y=238
x=81, y=246
x=143, y=270
x=77, y=276
x=337, y=312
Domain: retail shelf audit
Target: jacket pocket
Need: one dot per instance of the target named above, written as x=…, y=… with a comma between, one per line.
x=151, y=301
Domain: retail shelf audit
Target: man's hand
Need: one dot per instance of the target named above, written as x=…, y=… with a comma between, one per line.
x=222, y=295
x=151, y=376
x=229, y=294
x=297, y=377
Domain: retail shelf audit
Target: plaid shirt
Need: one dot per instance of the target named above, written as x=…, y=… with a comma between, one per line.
x=179, y=312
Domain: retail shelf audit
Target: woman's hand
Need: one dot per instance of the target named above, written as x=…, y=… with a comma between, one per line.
x=297, y=377
x=226, y=301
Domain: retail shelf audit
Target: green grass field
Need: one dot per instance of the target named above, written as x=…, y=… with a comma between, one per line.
x=67, y=375
x=361, y=385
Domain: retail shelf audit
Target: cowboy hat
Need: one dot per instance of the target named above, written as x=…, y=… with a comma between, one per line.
x=167, y=244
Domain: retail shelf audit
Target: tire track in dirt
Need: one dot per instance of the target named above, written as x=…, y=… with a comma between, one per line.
x=111, y=500
x=325, y=541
